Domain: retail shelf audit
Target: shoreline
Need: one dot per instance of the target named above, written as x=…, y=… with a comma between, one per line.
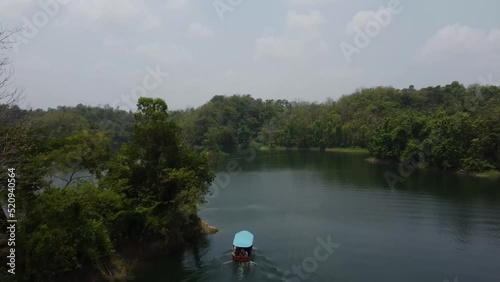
x=122, y=265
x=492, y=174
x=266, y=148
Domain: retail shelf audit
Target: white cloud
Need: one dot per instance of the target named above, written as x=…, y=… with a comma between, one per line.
x=359, y=21
x=95, y=10
x=117, y=11
x=198, y=31
x=277, y=47
x=307, y=22
x=463, y=43
x=382, y=16
x=300, y=30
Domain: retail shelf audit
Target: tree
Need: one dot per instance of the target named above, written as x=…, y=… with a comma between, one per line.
x=80, y=152
x=68, y=231
x=11, y=148
x=15, y=147
x=163, y=181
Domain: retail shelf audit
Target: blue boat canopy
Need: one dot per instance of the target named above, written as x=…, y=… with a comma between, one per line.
x=243, y=239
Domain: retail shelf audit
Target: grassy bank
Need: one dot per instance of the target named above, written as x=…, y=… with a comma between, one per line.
x=337, y=150
x=487, y=174
x=348, y=150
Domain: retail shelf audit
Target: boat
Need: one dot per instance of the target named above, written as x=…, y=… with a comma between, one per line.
x=242, y=246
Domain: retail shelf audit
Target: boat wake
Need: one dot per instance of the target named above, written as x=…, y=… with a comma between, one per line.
x=223, y=268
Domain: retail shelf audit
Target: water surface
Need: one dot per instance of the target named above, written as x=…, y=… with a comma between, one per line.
x=434, y=226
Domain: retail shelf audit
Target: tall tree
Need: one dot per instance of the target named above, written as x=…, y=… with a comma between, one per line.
x=162, y=179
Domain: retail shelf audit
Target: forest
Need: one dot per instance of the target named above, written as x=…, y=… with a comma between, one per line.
x=143, y=198
x=151, y=169
x=451, y=127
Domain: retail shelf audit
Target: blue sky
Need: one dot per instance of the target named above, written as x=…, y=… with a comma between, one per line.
x=99, y=52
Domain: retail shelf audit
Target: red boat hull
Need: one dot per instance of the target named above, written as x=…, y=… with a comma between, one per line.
x=241, y=258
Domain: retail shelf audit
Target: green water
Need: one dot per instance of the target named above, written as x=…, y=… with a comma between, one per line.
x=434, y=226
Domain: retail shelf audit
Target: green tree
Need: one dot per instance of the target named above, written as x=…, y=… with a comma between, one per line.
x=68, y=232
x=81, y=152
x=163, y=181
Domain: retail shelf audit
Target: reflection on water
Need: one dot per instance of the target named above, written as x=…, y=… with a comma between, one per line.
x=433, y=226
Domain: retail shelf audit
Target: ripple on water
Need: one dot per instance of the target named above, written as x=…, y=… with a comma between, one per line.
x=223, y=268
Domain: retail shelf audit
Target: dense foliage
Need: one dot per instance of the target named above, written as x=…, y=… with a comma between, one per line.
x=451, y=127
x=147, y=192
x=57, y=124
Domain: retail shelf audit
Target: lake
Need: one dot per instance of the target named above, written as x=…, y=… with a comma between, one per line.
x=328, y=216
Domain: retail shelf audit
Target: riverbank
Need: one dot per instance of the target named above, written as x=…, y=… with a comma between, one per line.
x=214, y=157
x=124, y=263
x=486, y=174
x=337, y=150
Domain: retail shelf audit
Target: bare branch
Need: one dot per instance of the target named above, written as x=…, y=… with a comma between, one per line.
x=72, y=177
x=6, y=37
x=8, y=96
x=10, y=137
x=60, y=178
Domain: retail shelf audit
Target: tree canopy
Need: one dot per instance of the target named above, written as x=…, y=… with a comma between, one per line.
x=149, y=190
x=452, y=127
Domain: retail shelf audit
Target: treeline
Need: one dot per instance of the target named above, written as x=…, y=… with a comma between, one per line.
x=451, y=127
x=63, y=121
x=144, y=195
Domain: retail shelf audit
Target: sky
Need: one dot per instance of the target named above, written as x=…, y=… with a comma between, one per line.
x=98, y=52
